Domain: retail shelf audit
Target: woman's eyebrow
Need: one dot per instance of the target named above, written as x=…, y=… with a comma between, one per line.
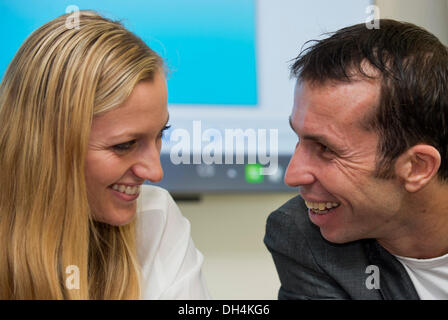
x=128, y=133
x=167, y=120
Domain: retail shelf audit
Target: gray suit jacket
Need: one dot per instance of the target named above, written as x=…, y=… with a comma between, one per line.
x=310, y=267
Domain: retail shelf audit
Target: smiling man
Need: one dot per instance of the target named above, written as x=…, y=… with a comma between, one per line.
x=371, y=116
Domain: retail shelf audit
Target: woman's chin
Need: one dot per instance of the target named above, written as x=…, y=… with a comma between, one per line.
x=117, y=217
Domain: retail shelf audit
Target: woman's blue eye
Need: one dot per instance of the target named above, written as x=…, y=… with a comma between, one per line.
x=124, y=146
x=162, y=132
x=128, y=145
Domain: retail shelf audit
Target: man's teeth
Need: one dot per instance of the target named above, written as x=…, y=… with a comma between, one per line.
x=321, y=206
x=126, y=189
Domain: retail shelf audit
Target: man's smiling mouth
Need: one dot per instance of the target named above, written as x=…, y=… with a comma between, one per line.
x=321, y=207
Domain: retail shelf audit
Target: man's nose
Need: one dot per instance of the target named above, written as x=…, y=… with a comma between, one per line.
x=299, y=171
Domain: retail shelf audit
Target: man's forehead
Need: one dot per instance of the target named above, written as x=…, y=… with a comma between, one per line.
x=334, y=113
x=345, y=102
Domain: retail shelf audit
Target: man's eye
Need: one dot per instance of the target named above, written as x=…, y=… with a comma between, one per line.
x=124, y=146
x=325, y=149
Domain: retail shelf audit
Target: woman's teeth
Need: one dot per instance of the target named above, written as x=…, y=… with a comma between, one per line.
x=321, y=207
x=126, y=189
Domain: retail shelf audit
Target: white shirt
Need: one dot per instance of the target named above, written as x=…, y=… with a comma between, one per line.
x=429, y=276
x=170, y=263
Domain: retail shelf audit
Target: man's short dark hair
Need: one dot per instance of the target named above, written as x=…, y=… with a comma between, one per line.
x=412, y=67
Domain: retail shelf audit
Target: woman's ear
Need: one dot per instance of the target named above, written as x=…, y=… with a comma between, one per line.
x=417, y=166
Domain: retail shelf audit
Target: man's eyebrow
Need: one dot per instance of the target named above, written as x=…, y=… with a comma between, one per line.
x=290, y=124
x=313, y=137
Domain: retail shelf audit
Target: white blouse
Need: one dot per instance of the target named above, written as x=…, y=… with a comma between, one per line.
x=171, y=264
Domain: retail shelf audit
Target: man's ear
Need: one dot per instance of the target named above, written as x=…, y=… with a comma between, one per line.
x=417, y=166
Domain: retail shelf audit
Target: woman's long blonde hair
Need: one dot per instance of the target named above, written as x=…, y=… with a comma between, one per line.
x=60, y=78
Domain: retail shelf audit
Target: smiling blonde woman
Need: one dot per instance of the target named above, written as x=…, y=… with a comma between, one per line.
x=82, y=111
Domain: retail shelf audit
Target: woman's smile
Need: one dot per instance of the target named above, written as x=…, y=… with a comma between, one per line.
x=125, y=193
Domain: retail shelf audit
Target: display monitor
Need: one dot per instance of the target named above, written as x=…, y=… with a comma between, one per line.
x=227, y=61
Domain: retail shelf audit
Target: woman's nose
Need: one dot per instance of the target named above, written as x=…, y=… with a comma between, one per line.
x=149, y=167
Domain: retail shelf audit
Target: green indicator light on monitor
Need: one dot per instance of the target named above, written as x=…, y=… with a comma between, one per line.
x=253, y=173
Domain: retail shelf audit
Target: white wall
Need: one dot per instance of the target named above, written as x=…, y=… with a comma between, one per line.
x=229, y=230
x=430, y=14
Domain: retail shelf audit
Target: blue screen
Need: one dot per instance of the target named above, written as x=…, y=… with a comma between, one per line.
x=208, y=46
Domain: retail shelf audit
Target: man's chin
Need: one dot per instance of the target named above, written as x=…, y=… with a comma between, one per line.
x=337, y=237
